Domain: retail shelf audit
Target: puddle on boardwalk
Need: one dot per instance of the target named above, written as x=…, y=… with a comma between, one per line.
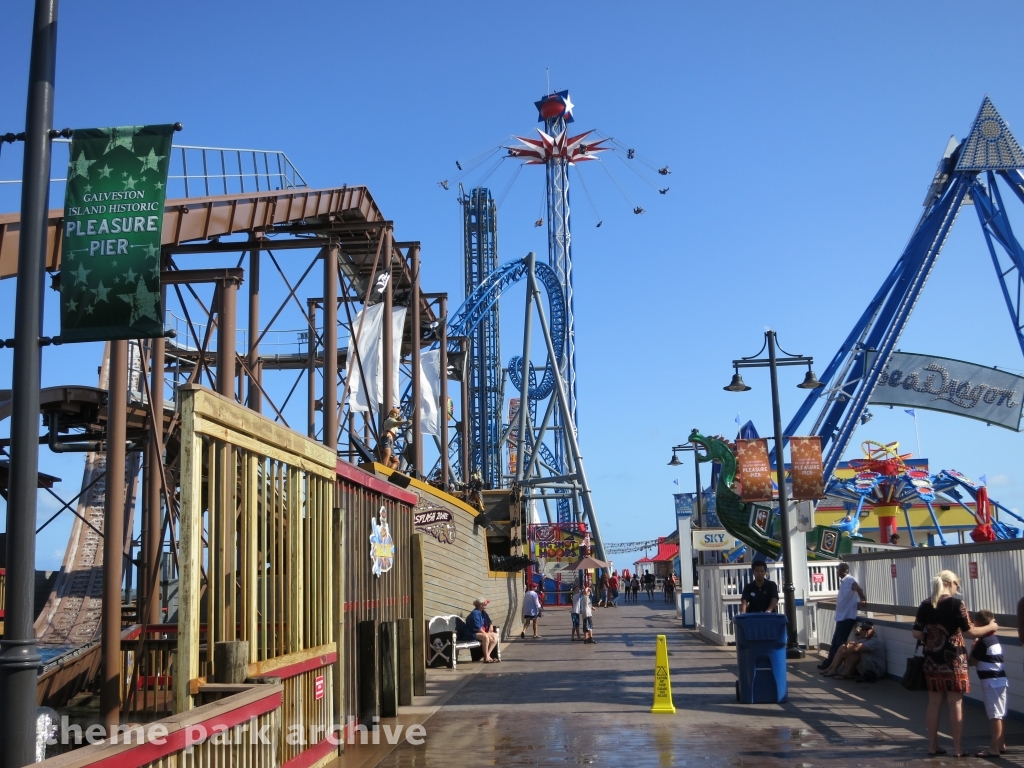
x=469, y=738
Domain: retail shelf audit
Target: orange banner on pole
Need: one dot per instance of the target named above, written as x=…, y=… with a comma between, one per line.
x=806, y=469
x=755, y=471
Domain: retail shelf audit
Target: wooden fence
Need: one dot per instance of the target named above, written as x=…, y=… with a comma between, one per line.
x=365, y=501
x=242, y=731
x=256, y=552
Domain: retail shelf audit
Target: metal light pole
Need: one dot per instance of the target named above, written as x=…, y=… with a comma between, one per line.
x=19, y=659
x=810, y=381
x=675, y=462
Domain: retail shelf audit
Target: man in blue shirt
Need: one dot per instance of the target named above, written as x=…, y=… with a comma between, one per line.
x=480, y=627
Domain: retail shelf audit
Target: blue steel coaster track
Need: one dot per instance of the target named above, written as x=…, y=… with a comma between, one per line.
x=475, y=310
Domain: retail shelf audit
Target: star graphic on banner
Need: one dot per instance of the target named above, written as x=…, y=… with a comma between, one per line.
x=124, y=174
x=105, y=171
x=113, y=263
x=88, y=187
x=151, y=161
x=152, y=251
x=120, y=137
x=130, y=275
x=129, y=183
x=89, y=309
x=81, y=274
x=79, y=167
x=71, y=305
x=101, y=293
x=158, y=185
x=143, y=302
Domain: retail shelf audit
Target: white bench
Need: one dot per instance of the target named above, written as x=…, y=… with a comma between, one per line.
x=444, y=644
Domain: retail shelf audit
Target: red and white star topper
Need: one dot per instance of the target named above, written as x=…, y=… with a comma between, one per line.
x=573, y=149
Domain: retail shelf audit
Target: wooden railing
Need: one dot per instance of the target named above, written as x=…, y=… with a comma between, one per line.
x=147, y=666
x=255, y=553
x=249, y=724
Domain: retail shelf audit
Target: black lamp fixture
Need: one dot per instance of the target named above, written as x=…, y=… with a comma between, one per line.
x=675, y=462
x=810, y=381
x=736, y=385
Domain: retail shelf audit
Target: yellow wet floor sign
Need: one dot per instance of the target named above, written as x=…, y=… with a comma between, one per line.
x=662, y=683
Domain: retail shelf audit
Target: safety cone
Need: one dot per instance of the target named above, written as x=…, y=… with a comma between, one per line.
x=662, y=682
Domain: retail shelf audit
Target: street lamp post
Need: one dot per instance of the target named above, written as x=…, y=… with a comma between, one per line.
x=810, y=381
x=675, y=462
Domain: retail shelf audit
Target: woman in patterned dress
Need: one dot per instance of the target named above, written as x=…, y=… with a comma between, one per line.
x=940, y=626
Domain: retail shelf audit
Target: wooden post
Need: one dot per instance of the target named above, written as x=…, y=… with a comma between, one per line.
x=330, y=396
x=405, y=661
x=113, y=536
x=189, y=555
x=366, y=647
x=231, y=661
x=338, y=571
x=415, y=334
x=388, y=670
x=419, y=619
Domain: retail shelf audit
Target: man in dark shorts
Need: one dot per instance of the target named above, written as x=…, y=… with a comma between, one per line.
x=760, y=595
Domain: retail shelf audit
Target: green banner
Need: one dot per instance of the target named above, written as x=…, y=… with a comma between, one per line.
x=113, y=217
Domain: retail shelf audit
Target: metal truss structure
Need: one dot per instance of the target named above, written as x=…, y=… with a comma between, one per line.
x=969, y=172
x=483, y=368
x=557, y=151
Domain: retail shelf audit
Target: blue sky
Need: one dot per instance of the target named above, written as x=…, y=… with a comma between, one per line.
x=802, y=138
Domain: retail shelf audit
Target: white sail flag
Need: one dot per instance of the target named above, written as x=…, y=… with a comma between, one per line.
x=365, y=368
x=371, y=343
x=397, y=330
x=430, y=392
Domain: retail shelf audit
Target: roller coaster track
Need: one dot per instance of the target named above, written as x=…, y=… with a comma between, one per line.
x=475, y=309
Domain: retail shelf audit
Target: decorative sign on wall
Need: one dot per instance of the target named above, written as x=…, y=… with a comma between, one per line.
x=439, y=523
x=713, y=540
x=113, y=218
x=951, y=386
x=755, y=472
x=382, y=546
x=806, y=470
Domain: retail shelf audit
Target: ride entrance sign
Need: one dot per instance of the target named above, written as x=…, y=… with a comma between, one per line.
x=113, y=219
x=951, y=386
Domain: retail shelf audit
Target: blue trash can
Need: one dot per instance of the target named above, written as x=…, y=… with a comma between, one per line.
x=761, y=655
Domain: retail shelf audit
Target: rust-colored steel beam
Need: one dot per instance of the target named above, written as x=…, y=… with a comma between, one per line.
x=201, y=218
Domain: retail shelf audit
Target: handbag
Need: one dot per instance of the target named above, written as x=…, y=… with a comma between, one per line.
x=913, y=676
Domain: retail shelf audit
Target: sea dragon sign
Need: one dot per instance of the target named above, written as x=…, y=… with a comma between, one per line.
x=951, y=386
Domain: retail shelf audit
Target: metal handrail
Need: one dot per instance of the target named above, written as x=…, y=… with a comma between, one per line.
x=277, y=171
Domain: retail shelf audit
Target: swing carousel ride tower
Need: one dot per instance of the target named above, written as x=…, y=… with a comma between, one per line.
x=557, y=151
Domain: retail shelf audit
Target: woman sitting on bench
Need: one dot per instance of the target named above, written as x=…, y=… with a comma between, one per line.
x=480, y=627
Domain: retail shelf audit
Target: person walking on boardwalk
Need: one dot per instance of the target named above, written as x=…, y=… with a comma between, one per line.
x=587, y=615
x=940, y=626
x=531, y=611
x=613, y=590
x=635, y=586
x=649, y=585
x=670, y=588
x=577, y=598
x=850, y=598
